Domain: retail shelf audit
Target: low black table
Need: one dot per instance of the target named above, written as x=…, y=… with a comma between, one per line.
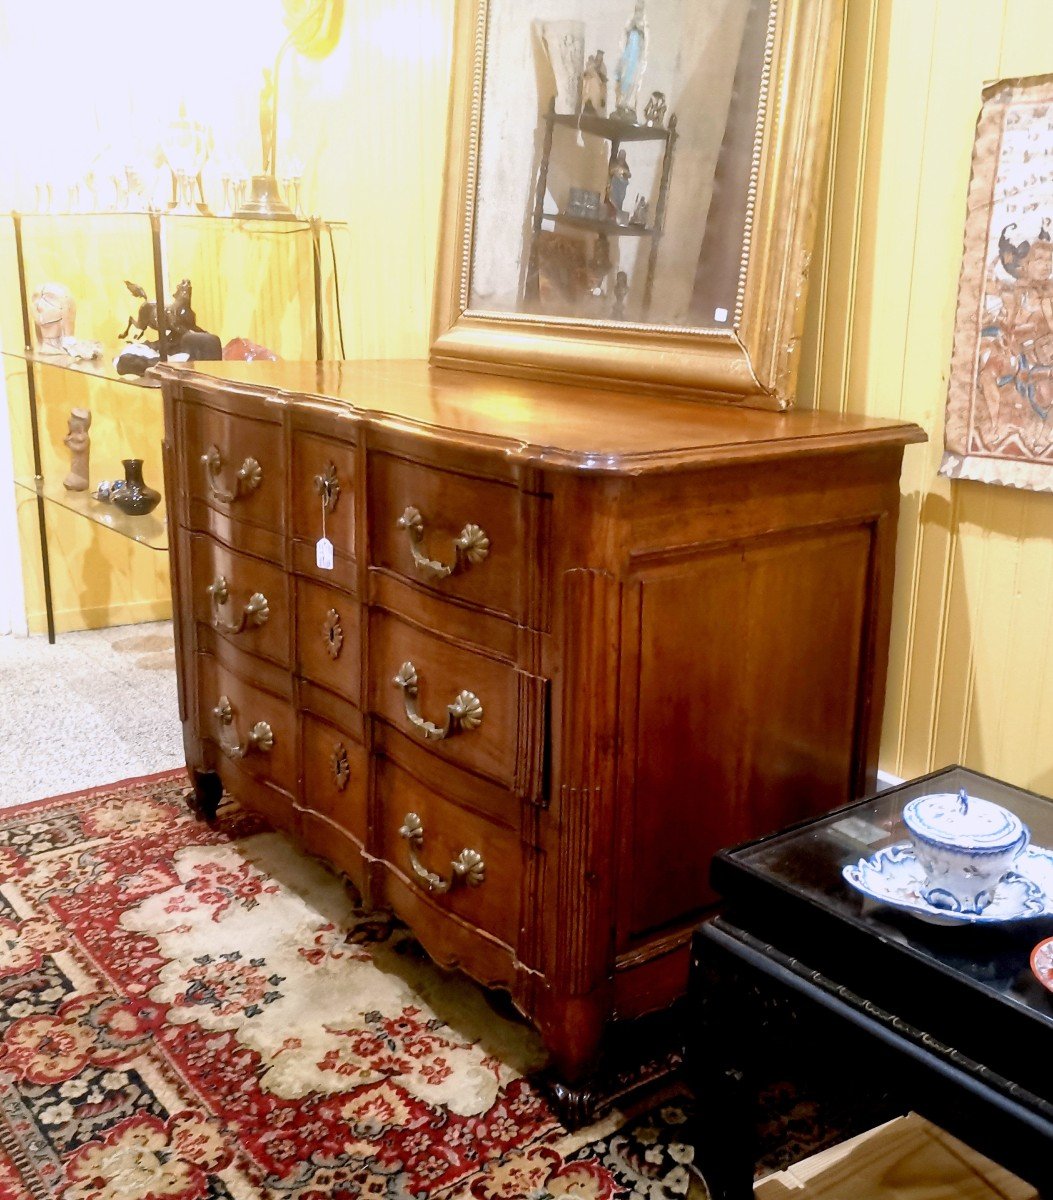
x=949, y=1021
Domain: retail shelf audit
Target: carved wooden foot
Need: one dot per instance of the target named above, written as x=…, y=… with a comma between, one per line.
x=576, y=1104
x=204, y=800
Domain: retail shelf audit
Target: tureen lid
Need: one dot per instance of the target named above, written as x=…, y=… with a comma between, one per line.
x=957, y=819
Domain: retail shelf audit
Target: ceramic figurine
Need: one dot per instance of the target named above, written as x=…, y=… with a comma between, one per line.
x=594, y=86
x=621, y=290
x=631, y=66
x=617, y=183
x=78, y=443
x=654, y=113
x=54, y=315
x=564, y=43
x=135, y=498
x=639, y=216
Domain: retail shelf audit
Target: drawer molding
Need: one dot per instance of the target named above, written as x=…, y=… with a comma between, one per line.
x=471, y=546
x=254, y=613
x=246, y=481
x=465, y=713
x=467, y=866
x=260, y=737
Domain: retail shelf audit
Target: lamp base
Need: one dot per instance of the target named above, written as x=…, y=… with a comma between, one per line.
x=265, y=202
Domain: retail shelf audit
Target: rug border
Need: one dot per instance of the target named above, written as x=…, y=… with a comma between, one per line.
x=173, y=773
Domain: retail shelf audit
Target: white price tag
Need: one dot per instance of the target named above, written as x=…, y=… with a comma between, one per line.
x=323, y=554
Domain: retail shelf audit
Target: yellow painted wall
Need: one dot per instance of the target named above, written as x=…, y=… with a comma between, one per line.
x=971, y=676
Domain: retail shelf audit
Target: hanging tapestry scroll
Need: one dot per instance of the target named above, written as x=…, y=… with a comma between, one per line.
x=1000, y=398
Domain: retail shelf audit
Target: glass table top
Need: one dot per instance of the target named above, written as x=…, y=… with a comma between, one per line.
x=807, y=861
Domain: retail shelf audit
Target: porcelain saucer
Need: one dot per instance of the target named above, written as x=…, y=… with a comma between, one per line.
x=893, y=876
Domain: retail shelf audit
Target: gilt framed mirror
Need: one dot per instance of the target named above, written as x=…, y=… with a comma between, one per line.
x=631, y=191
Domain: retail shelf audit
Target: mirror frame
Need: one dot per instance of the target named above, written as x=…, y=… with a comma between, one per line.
x=754, y=361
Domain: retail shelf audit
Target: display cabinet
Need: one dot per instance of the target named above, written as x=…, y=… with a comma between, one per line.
x=266, y=281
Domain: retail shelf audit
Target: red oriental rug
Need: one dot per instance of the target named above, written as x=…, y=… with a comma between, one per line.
x=191, y=1012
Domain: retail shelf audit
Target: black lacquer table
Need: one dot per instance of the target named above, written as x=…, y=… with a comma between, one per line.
x=948, y=1021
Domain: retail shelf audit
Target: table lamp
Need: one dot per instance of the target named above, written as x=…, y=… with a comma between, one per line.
x=314, y=29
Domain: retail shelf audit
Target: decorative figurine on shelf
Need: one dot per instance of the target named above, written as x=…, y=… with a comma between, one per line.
x=654, y=113
x=134, y=498
x=599, y=266
x=78, y=443
x=621, y=290
x=631, y=66
x=54, y=315
x=639, y=216
x=618, y=177
x=564, y=43
x=594, y=86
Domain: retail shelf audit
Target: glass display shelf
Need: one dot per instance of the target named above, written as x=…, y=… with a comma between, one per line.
x=598, y=225
x=97, y=368
x=150, y=530
x=610, y=128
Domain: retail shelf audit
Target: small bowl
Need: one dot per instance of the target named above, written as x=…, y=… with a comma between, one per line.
x=1042, y=963
x=965, y=846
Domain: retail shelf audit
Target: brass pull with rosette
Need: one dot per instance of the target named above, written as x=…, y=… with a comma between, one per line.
x=472, y=546
x=468, y=866
x=253, y=614
x=260, y=739
x=327, y=485
x=246, y=481
x=465, y=713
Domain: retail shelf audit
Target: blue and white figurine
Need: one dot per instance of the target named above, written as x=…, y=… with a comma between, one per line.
x=628, y=75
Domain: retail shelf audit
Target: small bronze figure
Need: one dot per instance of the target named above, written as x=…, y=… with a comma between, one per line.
x=654, y=113
x=180, y=318
x=621, y=291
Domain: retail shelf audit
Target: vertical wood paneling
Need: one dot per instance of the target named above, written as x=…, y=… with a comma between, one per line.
x=970, y=671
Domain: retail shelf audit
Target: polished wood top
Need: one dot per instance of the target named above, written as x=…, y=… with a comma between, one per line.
x=548, y=424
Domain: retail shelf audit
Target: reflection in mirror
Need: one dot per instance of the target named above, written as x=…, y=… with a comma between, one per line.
x=618, y=146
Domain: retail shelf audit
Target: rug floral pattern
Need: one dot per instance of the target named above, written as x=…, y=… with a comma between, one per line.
x=190, y=1012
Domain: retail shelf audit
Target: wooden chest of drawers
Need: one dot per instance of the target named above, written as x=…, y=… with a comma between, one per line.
x=570, y=644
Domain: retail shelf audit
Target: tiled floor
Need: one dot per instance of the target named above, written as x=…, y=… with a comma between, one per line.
x=96, y=707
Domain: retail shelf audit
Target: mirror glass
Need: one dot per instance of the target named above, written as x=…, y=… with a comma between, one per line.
x=618, y=149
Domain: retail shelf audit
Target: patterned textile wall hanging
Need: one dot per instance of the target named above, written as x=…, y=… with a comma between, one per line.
x=1000, y=398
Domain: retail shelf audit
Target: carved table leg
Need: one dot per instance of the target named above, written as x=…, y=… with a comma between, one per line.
x=572, y=1028
x=204, y=800
x=575, y=1104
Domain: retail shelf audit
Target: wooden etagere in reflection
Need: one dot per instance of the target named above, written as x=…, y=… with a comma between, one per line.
x=150, y=530
x=615, y=132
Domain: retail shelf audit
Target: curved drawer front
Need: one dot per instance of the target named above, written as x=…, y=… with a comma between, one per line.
x=234, y=465
x=459, y=860
x=323, y=501
x=328, y=639
x=460, y=704
x=336, y=776
x=458, y=536
x=245, y=600
x=250, y=728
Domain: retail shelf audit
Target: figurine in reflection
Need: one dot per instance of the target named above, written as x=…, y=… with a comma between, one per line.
x=78, y=443
x=599, y=266
x=621, y=290
x=54, y=315
x=654, y=113
x=631, y=66
x=594, y=86
x=618, y=177
x=267, y=121
x=639, y=216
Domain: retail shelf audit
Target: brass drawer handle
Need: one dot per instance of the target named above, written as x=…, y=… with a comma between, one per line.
x=468, y=866
x=254, y=613
x=465, y=713
x=260, y=739
x=327, y=485
x=247, y=480
x=471, y=547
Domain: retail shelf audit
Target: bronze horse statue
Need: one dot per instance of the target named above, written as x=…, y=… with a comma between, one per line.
x=180, y=318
